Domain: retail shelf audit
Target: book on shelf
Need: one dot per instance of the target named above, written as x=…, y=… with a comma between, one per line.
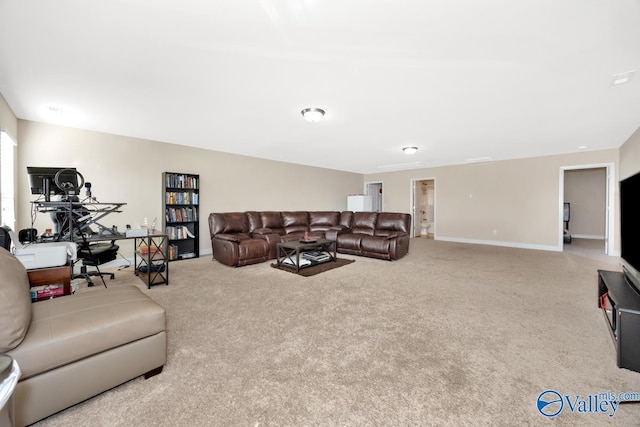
x=178, y=232
x=186, y=214
x=172, y=252
x=181, y=198
x=179, y=180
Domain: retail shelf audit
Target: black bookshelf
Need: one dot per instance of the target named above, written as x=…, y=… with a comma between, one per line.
x=181, y=221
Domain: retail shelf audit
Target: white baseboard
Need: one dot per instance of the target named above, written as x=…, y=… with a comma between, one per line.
x=586, y=236
x=500, y=243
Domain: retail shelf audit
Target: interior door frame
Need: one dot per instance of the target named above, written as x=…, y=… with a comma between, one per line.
x=412, y=203
x=609, y=228
x=367, y=188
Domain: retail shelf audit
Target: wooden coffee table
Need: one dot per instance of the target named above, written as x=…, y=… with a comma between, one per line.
x=290, y=253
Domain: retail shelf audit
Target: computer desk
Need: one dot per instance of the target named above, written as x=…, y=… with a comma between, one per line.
x=79, y=215
x=150, y=250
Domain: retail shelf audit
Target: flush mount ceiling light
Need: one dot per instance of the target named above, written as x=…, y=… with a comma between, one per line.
x=622, y=78
x=410, y=150
x=312, y=115
x=53, y=110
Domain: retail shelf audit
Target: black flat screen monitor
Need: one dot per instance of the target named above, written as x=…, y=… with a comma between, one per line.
x=630, y=228
x=42, y=180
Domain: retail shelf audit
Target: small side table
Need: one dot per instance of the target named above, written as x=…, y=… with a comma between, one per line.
x=151, y=259
x=50, y=276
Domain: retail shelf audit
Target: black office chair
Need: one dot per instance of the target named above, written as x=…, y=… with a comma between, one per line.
x=94, y=255
x=5, y=238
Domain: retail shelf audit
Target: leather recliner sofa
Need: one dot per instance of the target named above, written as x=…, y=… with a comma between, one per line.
x=242, y=238
x=383, y=235
x=74, y=347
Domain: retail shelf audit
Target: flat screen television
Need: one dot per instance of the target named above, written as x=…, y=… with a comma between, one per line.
x=630, y=229
x=42, y=180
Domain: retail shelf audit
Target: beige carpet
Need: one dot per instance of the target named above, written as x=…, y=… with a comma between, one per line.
x=452, y=335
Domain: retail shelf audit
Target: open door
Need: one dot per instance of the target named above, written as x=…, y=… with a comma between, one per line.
x=374, y=189
x=592, y=188
x=423, y=207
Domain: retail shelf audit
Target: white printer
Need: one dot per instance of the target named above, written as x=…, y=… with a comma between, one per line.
x=43, y=255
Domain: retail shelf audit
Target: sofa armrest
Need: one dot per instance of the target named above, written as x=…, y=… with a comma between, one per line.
x=227, y=237
x=262, y=231
x=333, y=231
x=388, y=234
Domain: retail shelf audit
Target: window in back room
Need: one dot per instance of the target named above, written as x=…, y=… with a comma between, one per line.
x=7, y=209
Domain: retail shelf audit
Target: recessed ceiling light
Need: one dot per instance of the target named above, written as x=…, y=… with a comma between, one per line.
x=582, y=147
x=622, y=78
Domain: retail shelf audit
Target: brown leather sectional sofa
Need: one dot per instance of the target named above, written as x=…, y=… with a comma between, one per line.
x=242, y=238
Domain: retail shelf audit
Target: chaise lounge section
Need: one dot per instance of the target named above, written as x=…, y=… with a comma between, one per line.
x=243, y=238
x=77, y=346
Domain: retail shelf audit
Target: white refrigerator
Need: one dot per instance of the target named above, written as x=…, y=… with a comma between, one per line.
x=359, y=203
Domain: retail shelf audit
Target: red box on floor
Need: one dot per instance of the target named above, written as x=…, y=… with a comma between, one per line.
x=39, y=293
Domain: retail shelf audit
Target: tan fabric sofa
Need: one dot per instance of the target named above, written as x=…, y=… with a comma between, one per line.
x=74, y=347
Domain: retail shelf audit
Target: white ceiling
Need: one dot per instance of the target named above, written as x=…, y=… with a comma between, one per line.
x=460, y=79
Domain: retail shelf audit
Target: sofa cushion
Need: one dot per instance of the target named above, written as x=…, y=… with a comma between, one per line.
x=15, y=301
x=295, y=222
x=375, y=244
x=349, y=241
x=346, y=218
x=364, y=223
x=235, y=222
x=295, y=219
x=272, y=220
x=230, y=222
x=253, y=248
x=390, y=221
x=324, y=219
x=71, y=328
x=255, y=221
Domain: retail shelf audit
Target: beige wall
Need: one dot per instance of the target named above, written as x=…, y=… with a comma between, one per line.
x=123, y=169
x=519, y=199
x=510, y=203
x=630, y=156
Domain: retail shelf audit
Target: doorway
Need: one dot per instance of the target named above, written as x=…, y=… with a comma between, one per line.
x=374, y=189
x=423, y=203
x=588, y=192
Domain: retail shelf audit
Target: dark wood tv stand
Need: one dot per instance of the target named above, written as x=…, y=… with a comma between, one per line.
x=620, y=304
